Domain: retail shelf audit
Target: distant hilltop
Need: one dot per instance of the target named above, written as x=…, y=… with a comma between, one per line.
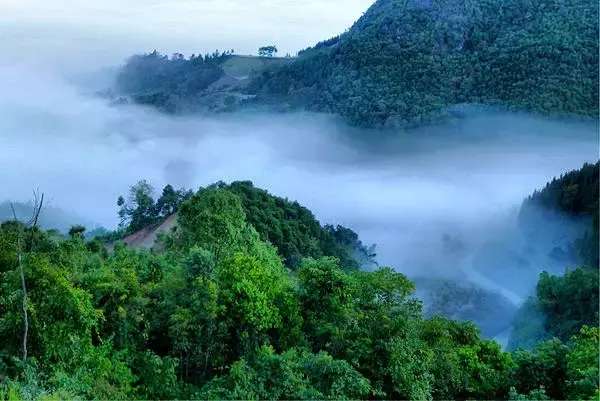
x=402, y=62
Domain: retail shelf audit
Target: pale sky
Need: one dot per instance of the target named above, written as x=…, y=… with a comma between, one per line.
x=106, y=31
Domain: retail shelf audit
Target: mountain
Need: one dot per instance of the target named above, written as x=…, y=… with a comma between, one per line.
x=401, y=63
x=405, y=61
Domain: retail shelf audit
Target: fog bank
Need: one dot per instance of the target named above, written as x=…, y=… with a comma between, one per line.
x=439, y=201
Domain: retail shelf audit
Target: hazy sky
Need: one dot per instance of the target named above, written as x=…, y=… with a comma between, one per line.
x=56, y=31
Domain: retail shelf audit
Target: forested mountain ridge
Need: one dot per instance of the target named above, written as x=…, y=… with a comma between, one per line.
x=408, y=60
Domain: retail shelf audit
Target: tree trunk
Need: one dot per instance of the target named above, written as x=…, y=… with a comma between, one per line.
x=25, y=316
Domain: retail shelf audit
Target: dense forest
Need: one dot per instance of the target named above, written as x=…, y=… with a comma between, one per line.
x=169, y=83
x=561, y=305
x=405, y=61
x=249, y=297
x=575, y=195
x=287, y=225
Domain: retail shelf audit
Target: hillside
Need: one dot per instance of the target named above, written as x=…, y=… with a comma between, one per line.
x=562, y=304
x=289, y=226
x=402, y=62
x=216, y=315
x=573, y=195
x=243, y=67
x=406, y=61
x=213, y=82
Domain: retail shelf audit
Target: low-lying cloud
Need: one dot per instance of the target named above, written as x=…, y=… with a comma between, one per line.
x=440, y=200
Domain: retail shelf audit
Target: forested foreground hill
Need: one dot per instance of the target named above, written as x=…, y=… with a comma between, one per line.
x=407, y=60
x=216, y=314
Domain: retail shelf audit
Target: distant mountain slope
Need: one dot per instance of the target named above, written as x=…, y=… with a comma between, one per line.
x=466, y=301
x=407, y=60
x=178, y=84
x=51, y=217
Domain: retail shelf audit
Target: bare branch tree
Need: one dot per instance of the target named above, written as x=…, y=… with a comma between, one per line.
x=38, y=203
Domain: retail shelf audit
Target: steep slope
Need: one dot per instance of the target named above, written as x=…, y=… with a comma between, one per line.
x=573, y=195
x=407, y=60
x=295, y=231
x=289, y=226
x=147, y=237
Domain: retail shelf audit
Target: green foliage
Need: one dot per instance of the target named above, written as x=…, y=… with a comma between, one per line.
x=462, y=364
x=157, y=376
x=293, y=375
x=545, y=367
x=217, y=315
x=582, y=365
x=267, y=51
x=563, y=304
x=560, y=371
x=140, y=210
x=569, y=302
x=63, y=322
x=574, y=194
x=529, y=326
x=253, y=290
x=295, y=231
x=214, y=220
x=168, y=83
x=406, y=61
x=534, y=395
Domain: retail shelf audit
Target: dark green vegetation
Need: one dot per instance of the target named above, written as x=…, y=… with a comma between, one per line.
x=169, y=83
x=574, y=194
x=287, y=225
x=563, y=304
x=217, y=315
x=295, y=232
x=407, y=60
x=140, y=209
x=214, y=82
